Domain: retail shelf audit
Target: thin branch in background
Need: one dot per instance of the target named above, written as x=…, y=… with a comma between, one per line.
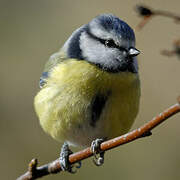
x=144, y=12
x=147, y=13
x=175, y=51
x=35, y=172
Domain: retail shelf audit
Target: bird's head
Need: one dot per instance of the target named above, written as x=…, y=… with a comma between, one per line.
x=106, y=42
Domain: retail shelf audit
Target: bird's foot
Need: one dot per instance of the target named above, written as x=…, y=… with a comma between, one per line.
x=64, y=160
x=97, y=152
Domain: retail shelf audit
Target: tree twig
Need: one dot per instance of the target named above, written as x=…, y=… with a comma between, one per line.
x=147, y=13
x=174, y=51
x=35, y=172
x=168, y=14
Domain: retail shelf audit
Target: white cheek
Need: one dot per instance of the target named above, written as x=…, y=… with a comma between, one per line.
x=96, y=52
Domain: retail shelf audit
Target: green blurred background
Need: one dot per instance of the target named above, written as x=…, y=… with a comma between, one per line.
x=30, y=31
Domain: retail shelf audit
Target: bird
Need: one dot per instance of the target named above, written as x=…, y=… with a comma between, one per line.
x=90, y=89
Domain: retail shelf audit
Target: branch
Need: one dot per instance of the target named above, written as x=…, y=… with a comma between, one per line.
x=35, y=172
x=174, y=51
x=147, y=13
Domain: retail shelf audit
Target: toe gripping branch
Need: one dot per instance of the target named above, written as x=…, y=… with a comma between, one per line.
x=97, y=152
x=64, y=160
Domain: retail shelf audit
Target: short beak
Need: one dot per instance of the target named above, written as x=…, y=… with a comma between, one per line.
x=133, y=52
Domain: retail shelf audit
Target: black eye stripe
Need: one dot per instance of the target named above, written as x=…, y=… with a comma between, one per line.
x=110, y=43
x=122, y=49
x=107, y=42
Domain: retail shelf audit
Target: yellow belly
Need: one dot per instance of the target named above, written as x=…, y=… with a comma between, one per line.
x=63, y=105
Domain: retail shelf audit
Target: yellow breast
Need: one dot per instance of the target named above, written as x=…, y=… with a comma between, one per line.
x=63, y=105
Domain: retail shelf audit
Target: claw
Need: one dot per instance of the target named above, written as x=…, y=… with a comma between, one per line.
x=75, y=167
x=99, y=160
x=95, y=148
x=64, y=160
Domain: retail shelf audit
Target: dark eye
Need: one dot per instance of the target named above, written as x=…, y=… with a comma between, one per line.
x=110, y=43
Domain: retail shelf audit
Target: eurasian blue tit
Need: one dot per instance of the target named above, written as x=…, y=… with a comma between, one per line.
x=90, y=88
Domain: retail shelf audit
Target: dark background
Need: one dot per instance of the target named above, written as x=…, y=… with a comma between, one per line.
x=32, y=30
